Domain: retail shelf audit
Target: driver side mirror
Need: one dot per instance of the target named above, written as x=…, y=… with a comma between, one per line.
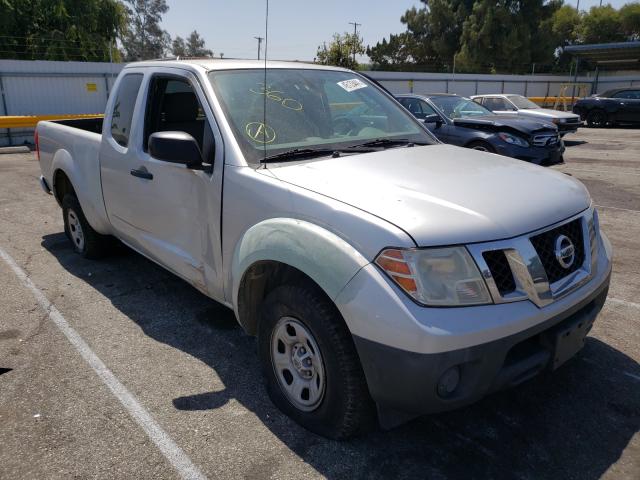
x=176, y=147
x=433, y=118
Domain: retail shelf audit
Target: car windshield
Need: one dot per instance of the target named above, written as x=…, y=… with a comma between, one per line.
x=522, y=102
x=459, y=107
x=309, y=109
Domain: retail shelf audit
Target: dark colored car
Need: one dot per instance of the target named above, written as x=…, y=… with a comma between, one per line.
x=618, y=106
x=461, y=121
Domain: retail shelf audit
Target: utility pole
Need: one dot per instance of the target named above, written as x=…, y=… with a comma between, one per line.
x=355, y=36
x=578, y=6
x=259, y=43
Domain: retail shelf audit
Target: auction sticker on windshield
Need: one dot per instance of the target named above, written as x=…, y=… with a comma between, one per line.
x=352, y=84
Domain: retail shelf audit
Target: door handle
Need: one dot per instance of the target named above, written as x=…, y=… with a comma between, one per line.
x=142, y=174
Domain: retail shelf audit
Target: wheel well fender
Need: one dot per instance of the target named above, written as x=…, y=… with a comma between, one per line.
x=281, y=250
x=483, y=141
x=69, y=177
x=62, y=185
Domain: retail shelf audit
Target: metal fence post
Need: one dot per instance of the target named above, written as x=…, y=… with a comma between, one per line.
x=4, y=106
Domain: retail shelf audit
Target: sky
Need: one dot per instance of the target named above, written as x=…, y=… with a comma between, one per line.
x=296, y=27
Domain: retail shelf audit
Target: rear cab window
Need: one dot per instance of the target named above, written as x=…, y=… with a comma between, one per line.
x=123, y=107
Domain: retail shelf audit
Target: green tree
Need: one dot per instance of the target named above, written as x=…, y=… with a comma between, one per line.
x=341, y=50
x=565, y=25
x=144, y=38
x=84, y=30
x=630, y=20
x=179, y=47
x=601, y=25
x=506, y=36
x=393, y=54
x=196, y=46
x=431, y=40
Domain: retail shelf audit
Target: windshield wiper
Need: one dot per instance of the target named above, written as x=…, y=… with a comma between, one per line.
x=298, y=153
x=382, y=143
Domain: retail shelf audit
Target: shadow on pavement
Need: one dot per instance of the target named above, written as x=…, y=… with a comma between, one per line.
x=574, y=423
x=574, y=143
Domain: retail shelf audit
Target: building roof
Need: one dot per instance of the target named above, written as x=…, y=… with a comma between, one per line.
x=616, y=55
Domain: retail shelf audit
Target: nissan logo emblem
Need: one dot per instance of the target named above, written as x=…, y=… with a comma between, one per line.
x=565, y=251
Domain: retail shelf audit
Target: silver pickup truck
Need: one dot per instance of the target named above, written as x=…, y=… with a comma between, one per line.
x=385, y=275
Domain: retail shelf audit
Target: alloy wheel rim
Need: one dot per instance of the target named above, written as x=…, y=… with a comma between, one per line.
x=481, y=148
x=297, y=363
x=75, y=230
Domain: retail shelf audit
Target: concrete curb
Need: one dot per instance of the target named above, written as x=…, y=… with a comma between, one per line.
x=20, y=149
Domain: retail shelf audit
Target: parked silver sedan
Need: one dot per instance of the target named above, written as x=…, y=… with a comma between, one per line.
x=567, y=122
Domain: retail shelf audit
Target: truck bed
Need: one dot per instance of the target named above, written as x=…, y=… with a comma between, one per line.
x=93, y=125
x=73, y=147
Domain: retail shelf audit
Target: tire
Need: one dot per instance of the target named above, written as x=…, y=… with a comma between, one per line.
x=482, y=146
x=597, y=118
x=340, y=405
x=84, y=239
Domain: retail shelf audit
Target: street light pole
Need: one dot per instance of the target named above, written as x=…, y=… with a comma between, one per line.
x=355, y=35
x=259, y=43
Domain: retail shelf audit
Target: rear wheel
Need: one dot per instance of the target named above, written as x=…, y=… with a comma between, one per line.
x=597, y=118
x=481, y=146
x=84, y=239
x=312, y=370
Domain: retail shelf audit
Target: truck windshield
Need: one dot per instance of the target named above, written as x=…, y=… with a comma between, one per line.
x=522, y=103
x=310, y=109
x=459, y=107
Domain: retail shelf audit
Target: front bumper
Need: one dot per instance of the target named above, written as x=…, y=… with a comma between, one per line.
x=564, y=128
x=536, y=155
x=406, y=349
x=407, y=384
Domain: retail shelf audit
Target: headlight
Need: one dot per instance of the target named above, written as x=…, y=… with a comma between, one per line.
x=559, y=120
x=442, y=277
x=513, y=139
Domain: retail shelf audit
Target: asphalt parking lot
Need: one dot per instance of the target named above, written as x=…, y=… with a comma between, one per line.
x=193, y=370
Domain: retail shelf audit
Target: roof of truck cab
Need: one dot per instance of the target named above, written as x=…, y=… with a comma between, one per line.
x=210, y=64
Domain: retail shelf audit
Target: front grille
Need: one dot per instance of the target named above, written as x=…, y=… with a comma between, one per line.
x=545, y=140
x=544, y=244
x=500, y=271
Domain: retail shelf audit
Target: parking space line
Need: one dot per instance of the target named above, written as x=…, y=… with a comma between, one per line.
x=172, y=452
x=618, y=208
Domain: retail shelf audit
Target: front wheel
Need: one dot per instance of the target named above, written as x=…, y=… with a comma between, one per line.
x=312, y=370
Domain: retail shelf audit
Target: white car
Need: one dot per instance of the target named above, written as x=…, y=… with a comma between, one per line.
x=567, y=122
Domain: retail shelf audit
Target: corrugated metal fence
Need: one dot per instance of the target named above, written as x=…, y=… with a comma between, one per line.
x=52, y=88
x=57, y=88
x=476, y=84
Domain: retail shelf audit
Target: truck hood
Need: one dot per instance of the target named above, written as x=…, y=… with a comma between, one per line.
x=546, y=113
x=526, y=126
x=442, y=194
